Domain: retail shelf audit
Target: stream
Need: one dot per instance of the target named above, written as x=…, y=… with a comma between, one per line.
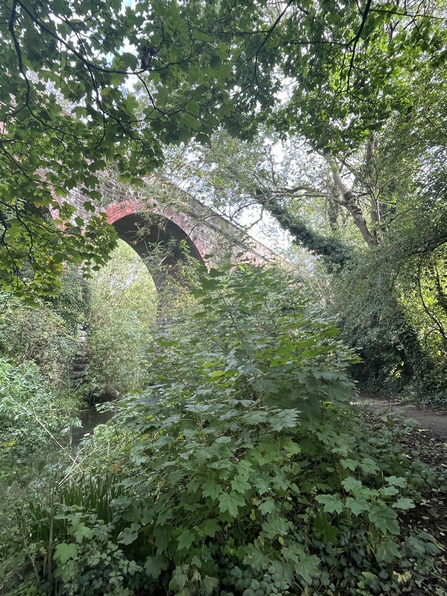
x=90, y=418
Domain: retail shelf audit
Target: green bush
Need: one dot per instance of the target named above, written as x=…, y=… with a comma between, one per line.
x=254, y=461
x=34, y=435
x=32, y=416
x=37, y=334
x=247, y=473
x=365, y=302
x=123, y=307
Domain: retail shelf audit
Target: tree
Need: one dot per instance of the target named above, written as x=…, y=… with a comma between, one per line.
x=387, y=292
x=46, y=334
x=123, y=311
x=66, y=111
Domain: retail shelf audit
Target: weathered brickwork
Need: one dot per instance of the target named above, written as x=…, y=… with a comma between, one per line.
x=206, y=231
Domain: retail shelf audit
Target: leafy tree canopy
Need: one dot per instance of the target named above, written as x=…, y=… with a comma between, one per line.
x=66, y=110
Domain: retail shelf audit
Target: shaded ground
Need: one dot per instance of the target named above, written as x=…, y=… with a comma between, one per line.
x=424, y=436
x=434, y=422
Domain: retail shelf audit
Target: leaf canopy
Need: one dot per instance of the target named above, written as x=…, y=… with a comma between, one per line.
x=332, y=71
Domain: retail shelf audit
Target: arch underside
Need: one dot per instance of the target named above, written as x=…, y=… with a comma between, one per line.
x=144, y=235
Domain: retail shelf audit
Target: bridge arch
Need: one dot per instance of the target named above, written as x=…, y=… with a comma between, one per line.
x=145, y=230
x=141, y=228
x=141, y=221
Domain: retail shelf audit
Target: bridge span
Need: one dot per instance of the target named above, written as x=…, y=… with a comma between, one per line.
x=145, y=222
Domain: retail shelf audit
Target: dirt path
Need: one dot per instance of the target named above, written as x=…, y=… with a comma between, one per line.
x=434, y=421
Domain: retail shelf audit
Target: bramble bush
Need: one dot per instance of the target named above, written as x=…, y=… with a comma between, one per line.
x=243, y=469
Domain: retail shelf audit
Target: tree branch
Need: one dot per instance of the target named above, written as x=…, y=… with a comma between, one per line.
x=356, y=40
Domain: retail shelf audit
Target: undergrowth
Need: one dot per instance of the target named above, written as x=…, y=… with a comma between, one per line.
x=241, y=470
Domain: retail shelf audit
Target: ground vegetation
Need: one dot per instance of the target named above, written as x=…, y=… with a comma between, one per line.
x=123, y=305
x=241, y=468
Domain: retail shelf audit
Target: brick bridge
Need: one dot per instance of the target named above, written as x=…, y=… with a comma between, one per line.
x=145, y=223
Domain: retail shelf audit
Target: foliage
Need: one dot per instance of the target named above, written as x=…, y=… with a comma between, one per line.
x=31, y=415
x=72, y=302
x=35, y=425
x=374, y=323
x=48, y=332
x=247, y=181
x=418, y=271
x=38, y=334
x=254, y=457
x=243, y=469
x=52, y=528
x=123, y=310
x=390, y=303
x=423, y=298
x=304, y=193
x=67, y=112
x=37, y=412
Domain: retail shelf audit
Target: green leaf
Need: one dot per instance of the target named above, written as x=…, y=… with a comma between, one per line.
x=284, y=419
x=267, y=506
x=415, y=547
x=89, y=206
x=185, y=539
x=82, y=531
x=211, y=527
x=276, y=526
x=404, y=504
x=240, y=484
x=387, y=552
x=369, y=466
x=230, y=502
x=129, y=60
x=331, y=503
x=308, y=567
x=323, y=526
x=162, y=538
x=261, y=484
x=389, y=491
x=349, y=464
x=352, y=485
x=384, y=518
x=357, y=505
x=396, y=481
x=208, y=585
x=211, y=489
x=202, y=36
x=64, y=552
x=178, y=581
x=155, y=565
x=127, y=536
x=290, y=446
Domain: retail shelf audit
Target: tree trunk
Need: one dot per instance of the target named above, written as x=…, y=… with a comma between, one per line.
x=333, y=251
x=376, y=217
x=350, y=203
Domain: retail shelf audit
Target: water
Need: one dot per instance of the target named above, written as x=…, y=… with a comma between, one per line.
x=90, y=418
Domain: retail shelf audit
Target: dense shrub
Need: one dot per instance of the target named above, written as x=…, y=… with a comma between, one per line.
x=37, y=334
x=241, y=469
x=123, y=307
x=34, y=435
